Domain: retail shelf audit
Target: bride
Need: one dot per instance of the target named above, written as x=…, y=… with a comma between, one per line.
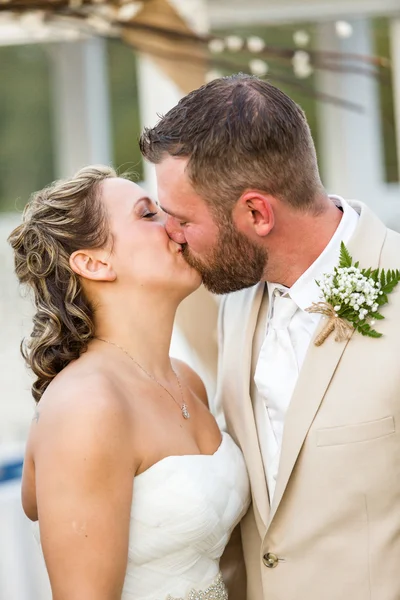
x=133, y=486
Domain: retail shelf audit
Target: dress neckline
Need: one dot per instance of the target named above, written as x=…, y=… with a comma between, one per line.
x=181, y=456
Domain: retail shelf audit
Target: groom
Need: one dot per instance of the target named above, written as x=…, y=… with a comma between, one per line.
x=319, y=425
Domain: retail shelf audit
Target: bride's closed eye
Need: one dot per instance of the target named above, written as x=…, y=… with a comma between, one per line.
x=146, y=208
x=150, y=211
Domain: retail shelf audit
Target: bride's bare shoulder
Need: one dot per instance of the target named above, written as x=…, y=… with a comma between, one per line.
x=80, y=425
x=191, y=379
x=82, y=394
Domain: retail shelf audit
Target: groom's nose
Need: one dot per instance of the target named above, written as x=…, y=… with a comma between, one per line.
x=175, y=231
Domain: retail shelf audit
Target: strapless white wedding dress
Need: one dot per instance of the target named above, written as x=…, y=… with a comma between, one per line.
x=183, y=512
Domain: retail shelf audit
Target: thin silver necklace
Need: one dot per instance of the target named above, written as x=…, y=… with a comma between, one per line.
x=183, y=407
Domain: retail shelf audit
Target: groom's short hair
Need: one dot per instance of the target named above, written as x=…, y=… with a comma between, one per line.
x=239, y=133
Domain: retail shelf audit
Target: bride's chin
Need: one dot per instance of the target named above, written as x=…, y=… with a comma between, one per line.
x=190, y=283
x=195, y=281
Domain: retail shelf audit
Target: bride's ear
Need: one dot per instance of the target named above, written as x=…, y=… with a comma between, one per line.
x=90, y=265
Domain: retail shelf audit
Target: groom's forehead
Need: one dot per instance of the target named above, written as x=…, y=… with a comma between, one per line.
x=174, y=186
x=172, y=168
x=176, y=194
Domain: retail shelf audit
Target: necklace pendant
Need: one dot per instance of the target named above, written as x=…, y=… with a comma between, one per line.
x=185, y=412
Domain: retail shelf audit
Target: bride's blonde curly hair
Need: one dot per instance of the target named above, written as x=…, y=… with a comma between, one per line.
x=58, y=220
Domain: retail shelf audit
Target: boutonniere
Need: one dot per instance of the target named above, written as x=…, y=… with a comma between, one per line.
x=352, y=298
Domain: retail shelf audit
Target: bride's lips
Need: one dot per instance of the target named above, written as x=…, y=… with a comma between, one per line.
x=176, y=248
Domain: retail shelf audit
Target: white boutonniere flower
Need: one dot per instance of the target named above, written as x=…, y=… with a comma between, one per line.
x=352, y=297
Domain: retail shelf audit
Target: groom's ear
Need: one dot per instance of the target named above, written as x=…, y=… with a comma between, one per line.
x=254, y=214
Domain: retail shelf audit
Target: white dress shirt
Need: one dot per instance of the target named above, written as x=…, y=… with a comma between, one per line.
x=301, y=329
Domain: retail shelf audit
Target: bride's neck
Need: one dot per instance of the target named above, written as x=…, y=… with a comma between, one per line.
x=142, y=327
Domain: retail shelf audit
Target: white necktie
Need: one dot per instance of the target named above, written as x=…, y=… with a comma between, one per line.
x=278, y=363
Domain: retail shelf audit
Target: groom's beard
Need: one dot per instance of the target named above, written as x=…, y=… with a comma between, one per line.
x=234, y=264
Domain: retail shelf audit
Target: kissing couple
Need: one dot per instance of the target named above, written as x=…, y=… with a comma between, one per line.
x=289, y=487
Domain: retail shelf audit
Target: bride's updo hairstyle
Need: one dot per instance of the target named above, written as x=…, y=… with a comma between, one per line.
x=58, y=220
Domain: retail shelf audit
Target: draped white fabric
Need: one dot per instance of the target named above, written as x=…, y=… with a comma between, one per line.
x=22, y=572
x=183, y=512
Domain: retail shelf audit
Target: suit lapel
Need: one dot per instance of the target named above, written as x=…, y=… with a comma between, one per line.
x=321, y=362
x=242, y=415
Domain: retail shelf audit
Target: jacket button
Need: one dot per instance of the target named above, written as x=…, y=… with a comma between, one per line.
x=270, y=560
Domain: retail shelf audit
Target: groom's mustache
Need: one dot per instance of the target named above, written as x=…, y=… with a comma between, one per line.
x=195, y=263
x=186, y=251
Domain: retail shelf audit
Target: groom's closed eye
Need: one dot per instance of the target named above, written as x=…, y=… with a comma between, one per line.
x=182, y=220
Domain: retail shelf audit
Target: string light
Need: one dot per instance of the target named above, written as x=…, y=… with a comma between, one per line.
x=255, y=43
x=258, y=67
x=343, y=29
x=302, y=71
x=216, y=46
x=234, y=43
x=301, y=64
x=301, y=38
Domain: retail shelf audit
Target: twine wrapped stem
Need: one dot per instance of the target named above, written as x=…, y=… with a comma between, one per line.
x=342, y=328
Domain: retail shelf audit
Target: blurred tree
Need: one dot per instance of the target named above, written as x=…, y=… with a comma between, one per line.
x=26, y=149
x=125, y=118
x=27, y=144
x=382, y=47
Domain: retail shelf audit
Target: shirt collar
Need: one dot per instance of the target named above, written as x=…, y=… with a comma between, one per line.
x=305, y=291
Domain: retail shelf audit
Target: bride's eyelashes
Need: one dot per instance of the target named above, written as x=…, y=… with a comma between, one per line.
x=150, y=215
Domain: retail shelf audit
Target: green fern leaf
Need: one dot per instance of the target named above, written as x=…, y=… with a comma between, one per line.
x=345, y=258
x=374, y=334
x=377, y=316
x=383, y=299
x=393, y=279
x=361, y=330
x=375, y=275
x=367, y=330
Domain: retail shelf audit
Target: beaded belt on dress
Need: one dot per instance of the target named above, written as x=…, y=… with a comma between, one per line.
x=216, y=591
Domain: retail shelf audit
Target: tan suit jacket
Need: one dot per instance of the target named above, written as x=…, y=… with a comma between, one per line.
x=334, y=524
